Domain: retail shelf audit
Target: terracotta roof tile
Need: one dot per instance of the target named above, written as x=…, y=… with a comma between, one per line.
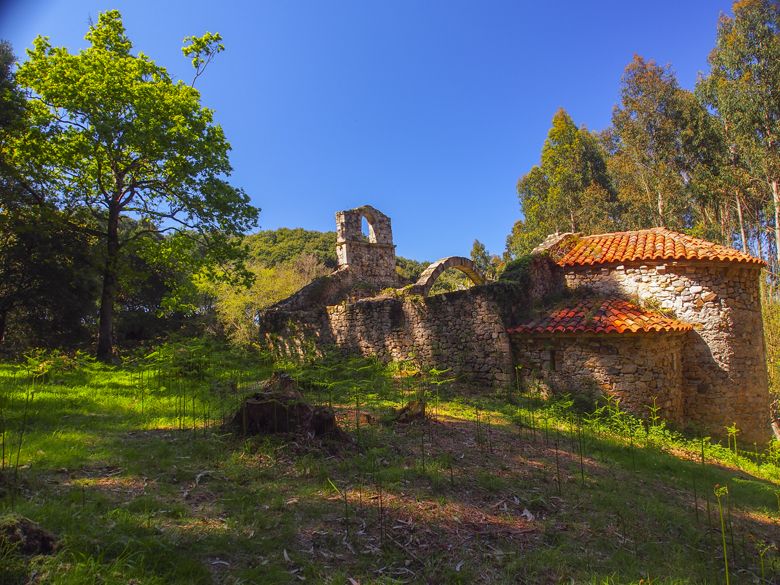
x=650, y=244
x=598, y=315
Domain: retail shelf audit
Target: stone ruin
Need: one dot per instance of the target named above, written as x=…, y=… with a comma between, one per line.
x=661, y=321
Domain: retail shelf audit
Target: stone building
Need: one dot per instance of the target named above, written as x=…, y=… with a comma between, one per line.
x=605, y=345
x=657, y=319
x=719, y=362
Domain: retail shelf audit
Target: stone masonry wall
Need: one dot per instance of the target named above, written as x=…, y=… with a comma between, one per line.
x=641, y=371
x=724, y=369
x=463, y=330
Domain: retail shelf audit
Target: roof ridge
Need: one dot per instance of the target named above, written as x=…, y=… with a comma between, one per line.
x=601, y=235
x=655, y=243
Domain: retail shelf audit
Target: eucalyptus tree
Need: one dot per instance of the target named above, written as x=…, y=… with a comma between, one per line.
x=114, y=134
x=744, y=87
x=570, y=190
x=663, y=145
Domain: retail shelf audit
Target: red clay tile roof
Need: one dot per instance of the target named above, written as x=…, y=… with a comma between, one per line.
x=598, y=315
x=650, y=244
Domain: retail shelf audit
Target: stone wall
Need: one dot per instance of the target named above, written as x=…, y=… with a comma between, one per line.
x=724, y=372
x=641, y=370
x=462, y=330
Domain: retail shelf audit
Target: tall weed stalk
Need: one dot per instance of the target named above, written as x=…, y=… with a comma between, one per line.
x=720, y=493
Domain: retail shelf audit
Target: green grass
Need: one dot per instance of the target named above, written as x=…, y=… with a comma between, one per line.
x=142, y=487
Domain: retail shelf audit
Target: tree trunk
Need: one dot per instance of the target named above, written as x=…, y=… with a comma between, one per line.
x=3, y=323
x=105, y=345
x=741, y=224
x=776, y=202
x=661, y=221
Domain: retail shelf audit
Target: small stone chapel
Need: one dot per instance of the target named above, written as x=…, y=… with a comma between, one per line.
x=664, y=316
x=654, y=318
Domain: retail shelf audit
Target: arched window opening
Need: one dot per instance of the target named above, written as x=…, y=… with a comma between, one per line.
x=367, y=230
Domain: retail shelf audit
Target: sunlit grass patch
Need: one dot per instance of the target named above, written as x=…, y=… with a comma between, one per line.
x=134, y=473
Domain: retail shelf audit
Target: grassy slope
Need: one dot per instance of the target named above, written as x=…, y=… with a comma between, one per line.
x=137, y=488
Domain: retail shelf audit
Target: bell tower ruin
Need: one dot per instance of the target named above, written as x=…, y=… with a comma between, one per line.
x=369, y=258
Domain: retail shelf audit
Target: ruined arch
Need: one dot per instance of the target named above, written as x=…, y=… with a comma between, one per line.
x=431, y=274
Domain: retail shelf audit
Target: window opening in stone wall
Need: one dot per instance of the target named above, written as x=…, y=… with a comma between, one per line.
x=367, y=230
x=552, y=362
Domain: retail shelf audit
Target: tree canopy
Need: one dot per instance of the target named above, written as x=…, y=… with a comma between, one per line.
x=704, y=162
x=570, y=190
x=743, y=87
x=110, y=132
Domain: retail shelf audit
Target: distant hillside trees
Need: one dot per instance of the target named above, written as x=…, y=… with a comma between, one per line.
x=283, y=245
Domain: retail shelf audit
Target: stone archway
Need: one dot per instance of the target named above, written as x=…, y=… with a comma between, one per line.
x=431, y=274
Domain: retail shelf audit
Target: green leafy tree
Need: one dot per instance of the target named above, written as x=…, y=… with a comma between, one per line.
x=661, y=141
x=576, y=173
x=48, y=284
x=13, y=124
x=569, y=191
x=11, y=98
x=237, y=308
x=39, y=254
x=488, y=264
x=744, y=87
x=112, y=132
x=480, y=256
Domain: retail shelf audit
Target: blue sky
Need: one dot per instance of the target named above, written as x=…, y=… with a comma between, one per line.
x=429, y=110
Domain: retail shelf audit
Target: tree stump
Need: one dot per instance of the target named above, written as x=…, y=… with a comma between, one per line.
x=280, y=408
x=25, y=536
x=414, y=410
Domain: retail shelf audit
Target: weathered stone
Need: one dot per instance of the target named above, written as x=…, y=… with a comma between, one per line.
x=707, y=378
x=724, y=372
